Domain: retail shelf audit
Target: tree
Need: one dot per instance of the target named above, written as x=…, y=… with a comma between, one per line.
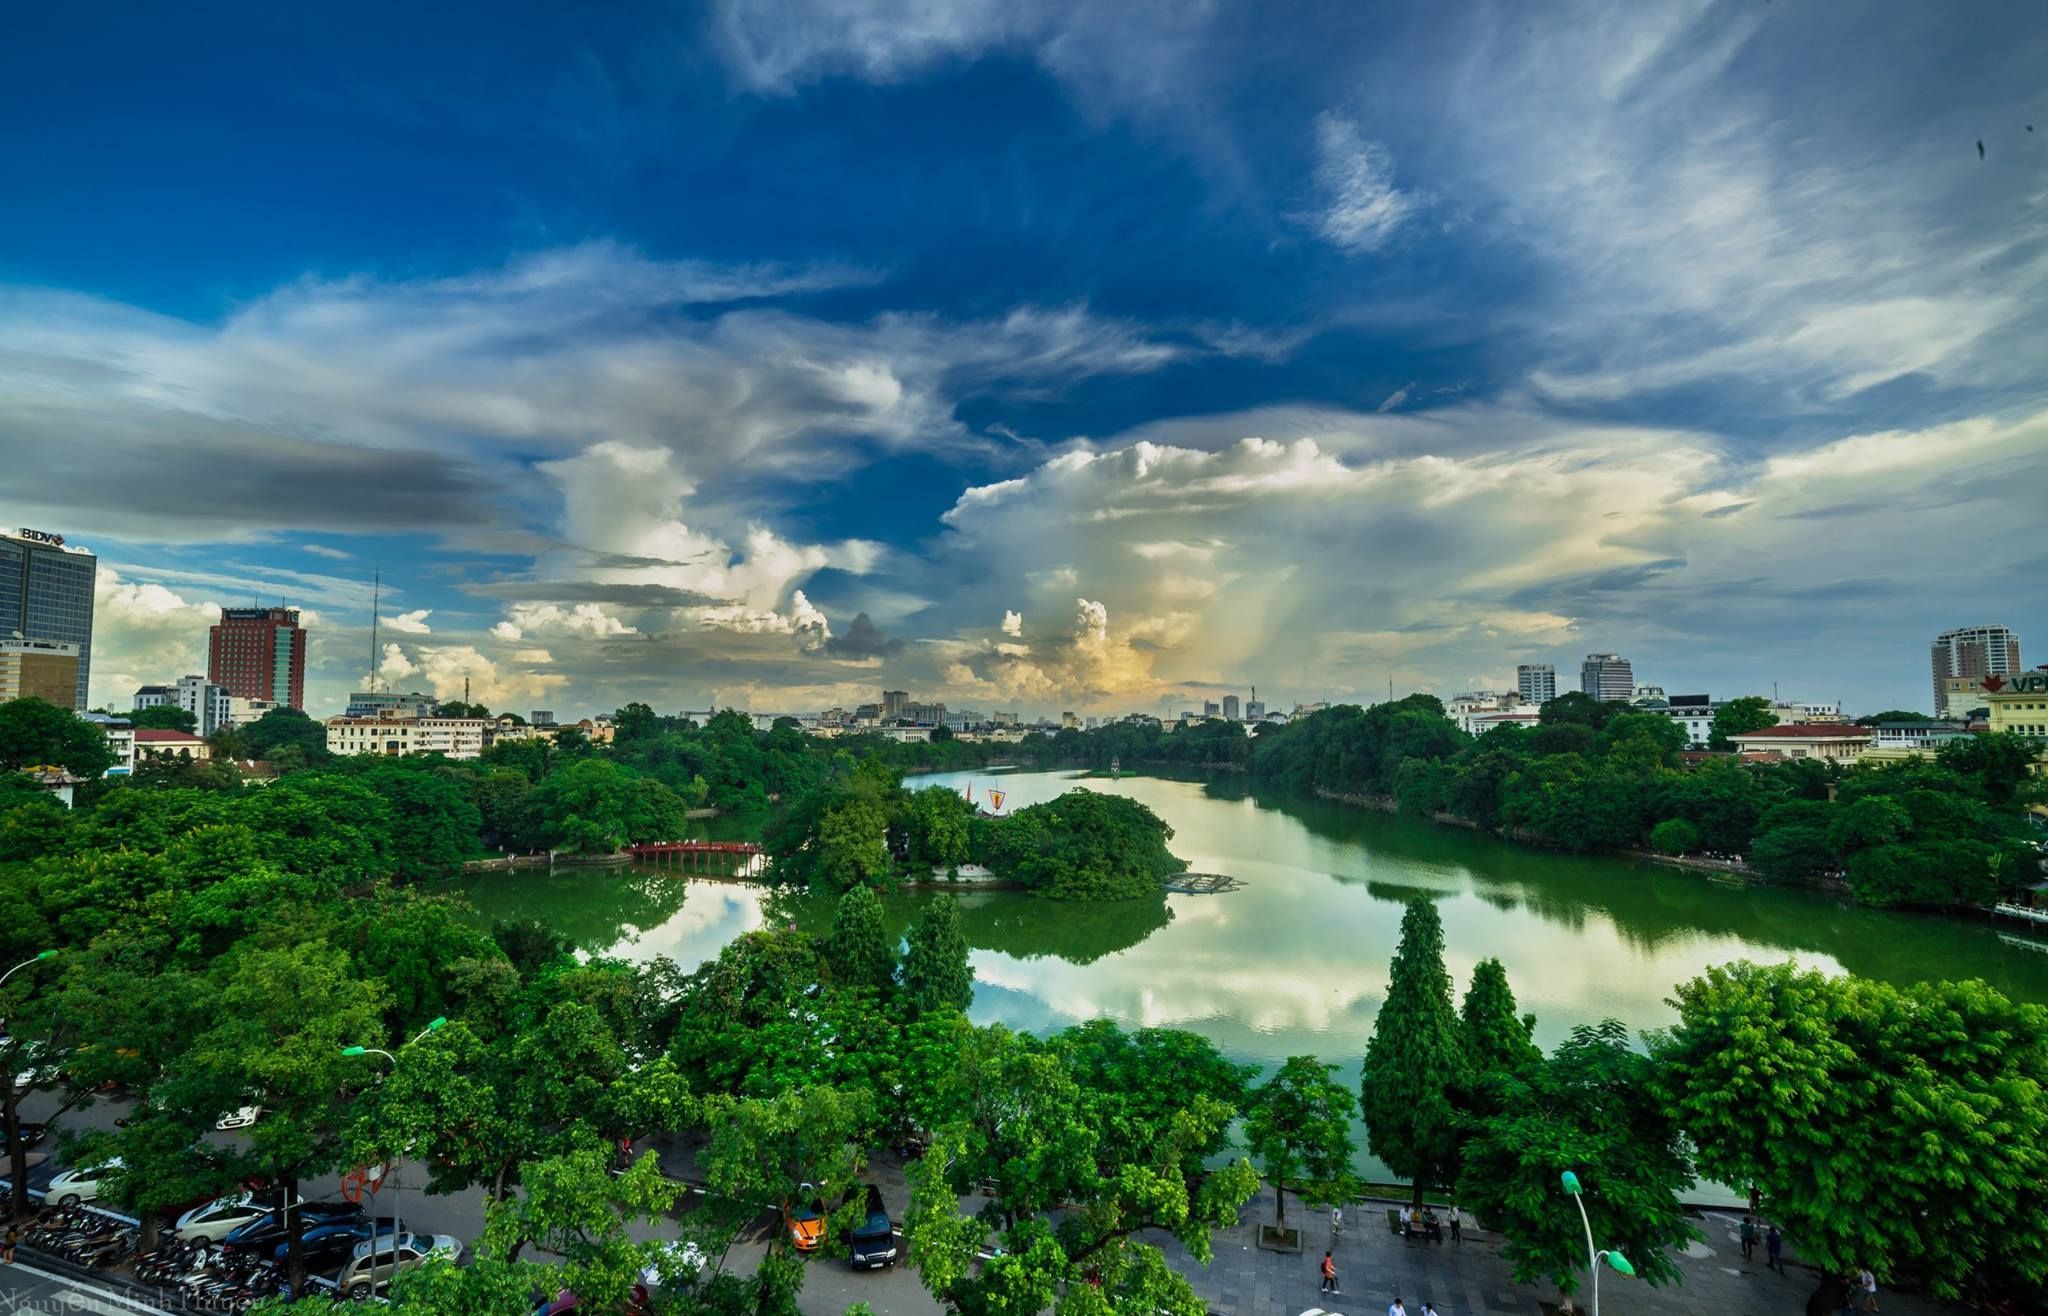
x=1299, y=1128
x=861, y=952
x=283, y=1016
x=283, y=729
x=1860, y=1112
x=1588, y=1109
x=1084, y=846
x=1137, y=1085
x=1415, y=1059
x=765, y=1150
x=1675, y=836
x=852, y=843
x=586, y=806
x=936, y=975
x=166, y=717
x=35, y=733
x=1892, y=715
x=1495, y=1036
x=1739, y=717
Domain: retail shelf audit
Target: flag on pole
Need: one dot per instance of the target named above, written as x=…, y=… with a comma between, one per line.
x=995, y=801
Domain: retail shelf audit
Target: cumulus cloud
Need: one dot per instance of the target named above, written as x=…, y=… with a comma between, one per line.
x=143, y=634
x=1013, y=623
x=393, y=668
x=446, y=668
x=1360, y=208
x=411, y=623
x=533, y=620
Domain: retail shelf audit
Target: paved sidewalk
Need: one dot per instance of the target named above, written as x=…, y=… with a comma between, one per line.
x=1471, y=1279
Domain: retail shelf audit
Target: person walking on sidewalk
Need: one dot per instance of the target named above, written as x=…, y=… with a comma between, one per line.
x=1749, y=1238
x=1457, y=1224
x=7, y=1248
x=1866, y=1290
x=1774, y=1249
x=1329, y=1274
x=1395, y=1308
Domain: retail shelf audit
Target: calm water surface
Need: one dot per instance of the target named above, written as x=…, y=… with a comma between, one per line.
x=1295, y=961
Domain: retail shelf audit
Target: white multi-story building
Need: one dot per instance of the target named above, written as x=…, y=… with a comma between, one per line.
x=1536, y=683
x=1695, y=713
x=241, y=712
x=1790, y=711
x=205, y=701
x=1972, y=651
x=380, y=703
x=456, y=737
x=120, y=739
x=1477, y=711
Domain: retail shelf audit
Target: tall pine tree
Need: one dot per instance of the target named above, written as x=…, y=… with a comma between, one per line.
x=936, y=975
x=1496, y=1038
x=861, y=952
x=1415, y=1060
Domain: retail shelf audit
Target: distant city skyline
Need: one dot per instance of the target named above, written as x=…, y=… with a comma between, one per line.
x=1034, y=355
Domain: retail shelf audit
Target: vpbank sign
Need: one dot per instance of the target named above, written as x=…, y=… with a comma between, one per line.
x=41, y=537
x=2026, y=683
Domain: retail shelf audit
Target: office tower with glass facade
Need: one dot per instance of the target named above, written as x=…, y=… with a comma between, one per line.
x=1972, y=651
x=46, y=594
x=1607, y=677
x=1537, y=682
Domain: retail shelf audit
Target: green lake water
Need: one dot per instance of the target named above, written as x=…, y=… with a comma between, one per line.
x=1295, y=961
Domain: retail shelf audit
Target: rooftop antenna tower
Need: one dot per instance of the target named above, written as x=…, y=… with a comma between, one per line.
x=376, y=595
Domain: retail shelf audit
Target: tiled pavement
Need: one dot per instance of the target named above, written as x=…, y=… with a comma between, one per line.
x=1470, y=1279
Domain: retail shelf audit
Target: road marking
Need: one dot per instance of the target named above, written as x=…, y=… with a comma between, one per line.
x=84, y=1297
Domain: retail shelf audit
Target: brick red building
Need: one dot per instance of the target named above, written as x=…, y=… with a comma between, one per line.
x=259, y=653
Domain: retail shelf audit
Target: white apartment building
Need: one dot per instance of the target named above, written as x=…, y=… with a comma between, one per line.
x=1536, y=682
x=120, y=739
x=1472, y=708
x=1789, y=711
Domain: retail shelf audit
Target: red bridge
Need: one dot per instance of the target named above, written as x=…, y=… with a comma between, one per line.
x=700, y=856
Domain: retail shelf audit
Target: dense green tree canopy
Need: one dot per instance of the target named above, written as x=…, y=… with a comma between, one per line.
x=936, y=975
x=1299, y=1129
x=34, y=733
x=1862, y=1112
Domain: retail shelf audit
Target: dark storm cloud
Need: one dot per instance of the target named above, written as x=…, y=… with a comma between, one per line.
x=863, y=639
x=619, y=593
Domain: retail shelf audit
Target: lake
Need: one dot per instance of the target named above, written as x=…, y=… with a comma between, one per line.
x=1295, y=961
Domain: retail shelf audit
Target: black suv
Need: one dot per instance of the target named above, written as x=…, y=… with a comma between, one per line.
x=874, y=1238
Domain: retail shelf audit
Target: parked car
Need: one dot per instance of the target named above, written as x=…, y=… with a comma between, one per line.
x=223, y=1215
x=241, y=1117
x=31, y=1134
x=81, y=1184
x=873, y=1240
x=325, y=1247
x=682, y=1263
x=371, y=1263
x=566, y=1300
x=259, y=1234
x=807, y=1223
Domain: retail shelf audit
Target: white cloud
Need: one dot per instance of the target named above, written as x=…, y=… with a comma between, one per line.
x=533, y=620
x=411, y=623
x=446, y=669
x=1360, y=209
x=143, y=634
x=1013, y=623
x=394, y=667
x=322, y=550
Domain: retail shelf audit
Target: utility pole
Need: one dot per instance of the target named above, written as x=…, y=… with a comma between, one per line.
x=376, y=595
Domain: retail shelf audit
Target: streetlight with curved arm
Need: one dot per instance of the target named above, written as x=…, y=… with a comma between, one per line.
x=397, y=1226
x=38, y=958
x=1612, y=1256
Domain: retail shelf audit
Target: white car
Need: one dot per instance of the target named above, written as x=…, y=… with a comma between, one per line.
x=361, y=1275
x=223, y=1215
x=241, y=1117
x=82, y=1184
x=683, y=1261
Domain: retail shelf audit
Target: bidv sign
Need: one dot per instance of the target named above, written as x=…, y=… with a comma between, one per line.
x=41, y=537
x=2026, y=683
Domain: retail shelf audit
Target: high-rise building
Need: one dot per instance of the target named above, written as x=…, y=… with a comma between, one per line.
x=40, y=669
x=1607, y=677
x=205, y=701
x=1972, y=651
x=1230, y=708
x=895, y=704
x=1210, y=709
x=259, y=653
x=1537, y=682
x=1255, y=708
x=46, y=594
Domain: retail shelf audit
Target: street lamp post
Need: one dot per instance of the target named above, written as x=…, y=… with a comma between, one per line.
x=1611, y=1256
x=34, y=959
x=438, y=1022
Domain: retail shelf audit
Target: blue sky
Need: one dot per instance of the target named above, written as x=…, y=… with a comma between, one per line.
x=1035, y=355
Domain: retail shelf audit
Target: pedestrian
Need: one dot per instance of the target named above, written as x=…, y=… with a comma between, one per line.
x=1428, y=1310
x=1336, y=1221
x=1407, y=1223
x=7, y=1248
x=1866, y=1288
x=1457, y=1224
x=1774, y=1249
x=1396, y=1309
x=1329, y=1274
x=1749, y=1238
